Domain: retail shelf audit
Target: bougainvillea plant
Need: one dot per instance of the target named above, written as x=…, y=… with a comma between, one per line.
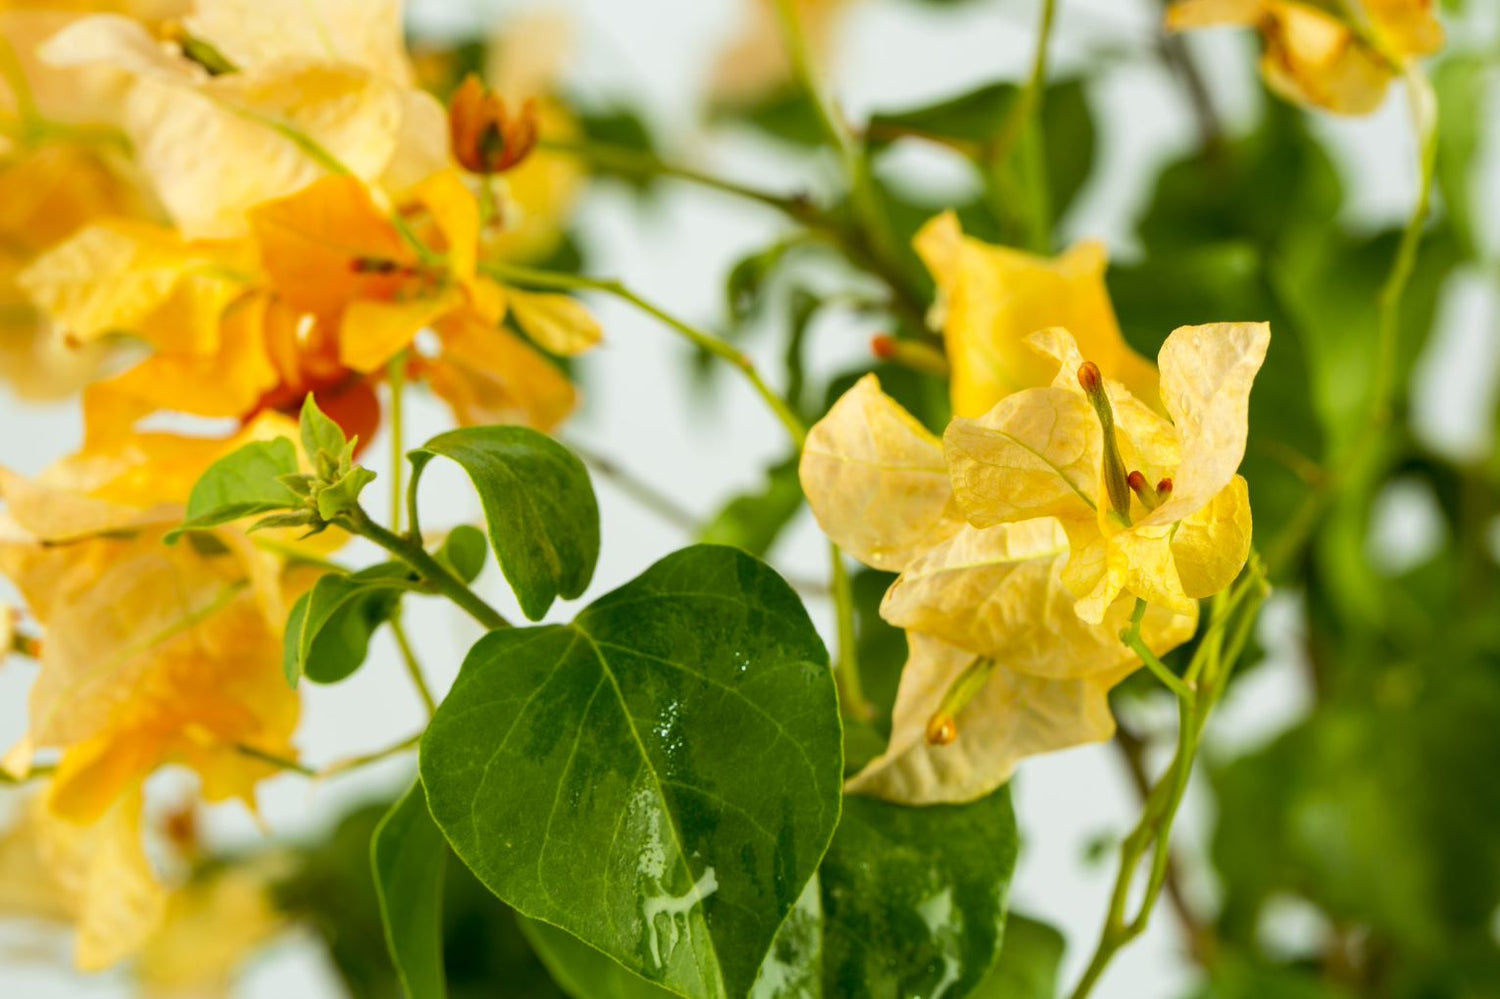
x=236, y=237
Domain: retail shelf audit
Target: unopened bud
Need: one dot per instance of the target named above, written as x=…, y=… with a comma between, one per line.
x=1090, y=378
x=485, y=136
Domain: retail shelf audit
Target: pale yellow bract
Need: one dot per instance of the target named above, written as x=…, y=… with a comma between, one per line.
x=1039, y=453
x=990, y=298
x=878, y=484
x=1314, y=57
x=331, y=74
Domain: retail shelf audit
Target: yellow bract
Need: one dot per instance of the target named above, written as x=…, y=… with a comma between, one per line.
x=304, y=99
x=95, y=876
x=1313, y=56
x=1040, y=453
x=991, y=298
x=878, y=483
x=152, y=654
x=211, y=925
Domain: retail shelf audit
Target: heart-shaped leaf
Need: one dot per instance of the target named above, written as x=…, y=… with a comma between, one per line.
x=538, y=503
x=660, y=778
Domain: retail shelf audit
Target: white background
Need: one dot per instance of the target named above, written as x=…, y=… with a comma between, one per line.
x=704, y=446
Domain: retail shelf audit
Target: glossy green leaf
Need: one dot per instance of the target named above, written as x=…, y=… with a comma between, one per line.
x=1029, y=965
x=408, y=856
x=582, y=971
x=792, y=969
x=914, y=898
x=328, y=631
x=659, y=778
x=538, y=503
x=243, y=483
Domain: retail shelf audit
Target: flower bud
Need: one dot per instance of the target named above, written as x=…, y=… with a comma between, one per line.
x=486, y=138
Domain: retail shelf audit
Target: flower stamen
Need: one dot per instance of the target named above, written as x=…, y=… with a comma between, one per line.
x=942, y=727
x=1116, y=482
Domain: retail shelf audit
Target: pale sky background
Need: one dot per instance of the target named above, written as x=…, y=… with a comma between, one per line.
x=642, y=413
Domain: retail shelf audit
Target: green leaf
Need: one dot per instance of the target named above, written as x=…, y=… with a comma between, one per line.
x=659, y=778
x=464, y=551
x=914, y=898
x=331, y=891
x=755, y=520
x=328, y=631
x=539, y=505
x=582, y=971
x=792, y=967
x=243, y=483
x=408, y=855
x=1030, y=961
x=320, y=435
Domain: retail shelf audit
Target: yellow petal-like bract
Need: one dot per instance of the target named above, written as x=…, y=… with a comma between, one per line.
x=1314, y=56
x=875, y=479
x=991, y=298
x=1040, y=453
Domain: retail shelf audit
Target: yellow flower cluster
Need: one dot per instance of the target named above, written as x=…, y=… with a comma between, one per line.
x=213, y=210
x=1077, y=494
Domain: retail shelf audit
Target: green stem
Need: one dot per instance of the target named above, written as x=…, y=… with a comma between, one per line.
x=906, y=300
x=1022, y=130
x=338, y=767
x=1131, y=636
x=643, y=165
x=279, y=762
x=1153, y=833
x=705, y=341
x=1304, y=520
x=434, y=572
x=863, y=194
x=413, y=666
x=1423, y=105
x=396, y=375
x=851, y=686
